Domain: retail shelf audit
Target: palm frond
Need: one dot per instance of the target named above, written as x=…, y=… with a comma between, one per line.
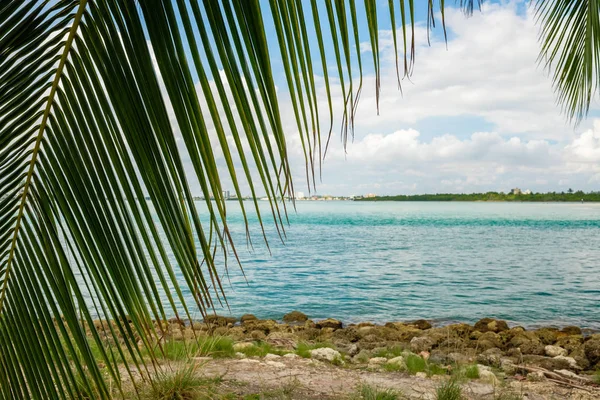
x=570, y=38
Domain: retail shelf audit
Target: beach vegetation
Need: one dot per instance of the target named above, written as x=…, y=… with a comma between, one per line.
x=449, y=390
x=369, y=392
x=180, y=384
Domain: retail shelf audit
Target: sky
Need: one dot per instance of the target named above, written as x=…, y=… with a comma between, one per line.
x=478, y=114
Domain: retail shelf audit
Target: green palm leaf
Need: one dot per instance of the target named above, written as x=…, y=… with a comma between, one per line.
x=94, y=98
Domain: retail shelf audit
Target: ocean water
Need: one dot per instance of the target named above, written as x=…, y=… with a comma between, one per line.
x=530, y=264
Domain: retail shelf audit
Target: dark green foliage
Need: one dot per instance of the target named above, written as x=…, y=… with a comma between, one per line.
x=493, y=196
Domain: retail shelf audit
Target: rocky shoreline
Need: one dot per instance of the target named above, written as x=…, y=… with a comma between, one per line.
x=488, y=342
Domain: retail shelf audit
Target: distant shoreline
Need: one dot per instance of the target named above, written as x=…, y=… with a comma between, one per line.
x=552, y=197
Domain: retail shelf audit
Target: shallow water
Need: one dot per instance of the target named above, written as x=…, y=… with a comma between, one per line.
x=531, y=264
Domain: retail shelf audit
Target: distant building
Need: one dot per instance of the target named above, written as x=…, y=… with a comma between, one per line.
x=299, y=195
x=370, y=195
x=527, y=191
x=225, y=194
x=516, y=191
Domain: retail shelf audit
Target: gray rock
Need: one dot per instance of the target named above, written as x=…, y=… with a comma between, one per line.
x=421, y=343
x=553, y=351
x=325, y=354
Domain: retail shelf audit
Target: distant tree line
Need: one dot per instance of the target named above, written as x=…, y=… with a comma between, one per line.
x=569, y=196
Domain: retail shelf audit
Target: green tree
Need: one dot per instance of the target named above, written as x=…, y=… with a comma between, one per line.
x=93, y=94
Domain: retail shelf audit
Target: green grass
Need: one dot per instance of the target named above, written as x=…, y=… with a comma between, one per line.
x=303, y=349
x=389, y=352
x=472, y=372
x=183, y=384
x=261, y=349
x=434, y=369
x=596, y=377
x=208, y=346
x=368, y=392
x=393, y=367
x=449, y=390
x=415, y=363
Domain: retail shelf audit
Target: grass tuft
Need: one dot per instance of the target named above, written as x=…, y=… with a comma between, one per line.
x=472, y=372
x=261, y=349
x=415, y=363
x=368, y=392
x=183, y=384
x=596, y=377
x=449, y=390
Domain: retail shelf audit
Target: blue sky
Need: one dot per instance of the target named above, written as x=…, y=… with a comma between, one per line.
x=478, y=114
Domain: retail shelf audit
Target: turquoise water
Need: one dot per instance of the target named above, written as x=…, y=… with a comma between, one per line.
x=531, y=264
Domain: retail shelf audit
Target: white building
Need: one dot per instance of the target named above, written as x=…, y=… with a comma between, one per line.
x=299, y=195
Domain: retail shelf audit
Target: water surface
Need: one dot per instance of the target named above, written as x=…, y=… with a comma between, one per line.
x=529, y=263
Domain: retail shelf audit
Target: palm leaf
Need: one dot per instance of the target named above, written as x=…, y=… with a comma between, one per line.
x=95, y=96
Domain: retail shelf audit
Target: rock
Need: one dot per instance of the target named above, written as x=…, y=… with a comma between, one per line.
x=421, y=375
x=291, y=356
x=528, y=343
x=424, y=355
x=353, y=350
x=570, y=360
x=240, y=355
x=295, y=316
x=553, y=351
x=490, y=357
x=362, y=356
x=567, y=373
x=456, y=358
x=491, y=325
x=405, y=332
x=248, y=317
x=272, y=357
x=258, y=335
x=325, y=354
x=275, y=364
x=310, y=324
x=249, y=361
x=421, y=343
x=241, y=346
x=377, y=361
x=570, y=343
x=536, y=376
x=592, y=350
x=264, y=325
x=488, y=376
x=199, y=326
x=330, y=323
x=219, y=320
x=397, y=361
x=460, y=330
x=349, y=335
x=420, y=324
x=546, y=362
x=547, y=335
x=508, y=367
x=490, y=337
x=579, y=356
x=571, y=330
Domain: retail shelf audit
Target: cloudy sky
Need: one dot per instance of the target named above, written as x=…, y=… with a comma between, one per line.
x=478, y=114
